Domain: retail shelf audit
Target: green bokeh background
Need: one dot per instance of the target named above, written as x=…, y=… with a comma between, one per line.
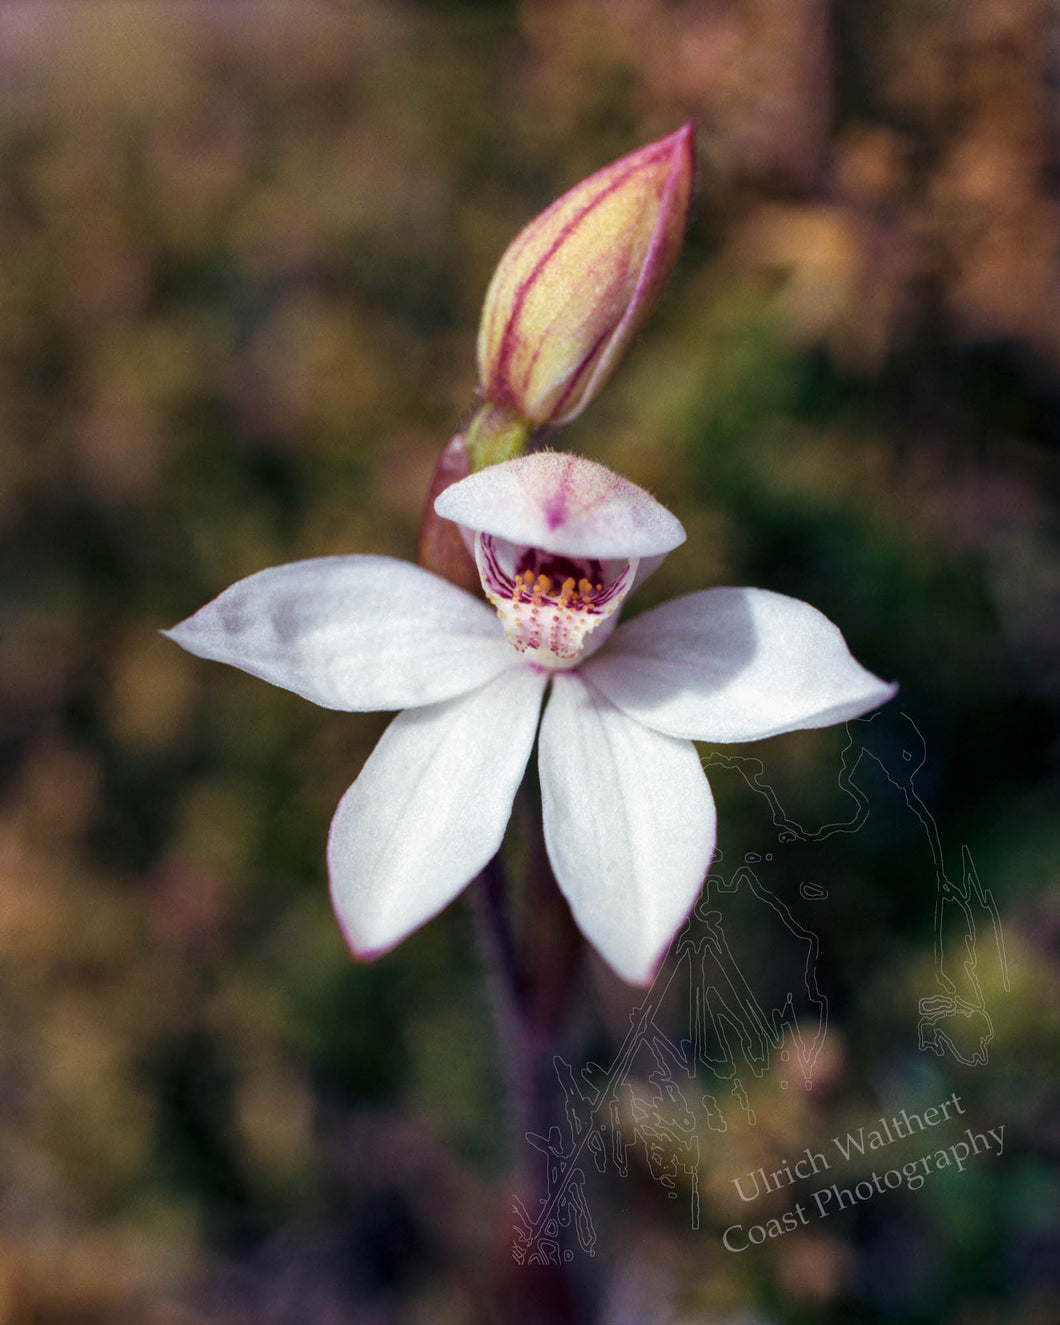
x=243, y=248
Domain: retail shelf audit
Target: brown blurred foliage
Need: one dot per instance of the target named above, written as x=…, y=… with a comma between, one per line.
x=242, y=250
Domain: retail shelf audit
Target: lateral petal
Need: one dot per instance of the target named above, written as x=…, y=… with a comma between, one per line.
x=630, y=825
x=355, y=633
x=734, y=665
x=429, y=809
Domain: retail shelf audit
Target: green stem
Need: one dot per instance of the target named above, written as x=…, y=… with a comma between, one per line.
x=496, y=434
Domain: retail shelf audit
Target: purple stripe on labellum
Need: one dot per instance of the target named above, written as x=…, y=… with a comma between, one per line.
x=551, y=604
x=557, y=503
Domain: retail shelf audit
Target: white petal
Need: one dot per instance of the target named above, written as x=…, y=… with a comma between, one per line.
x=353, y=633
x=734, y=665
x=562, y=503
x=629, y=825
x=429, y=809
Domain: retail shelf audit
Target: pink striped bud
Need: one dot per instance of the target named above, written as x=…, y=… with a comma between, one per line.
x=576, y=285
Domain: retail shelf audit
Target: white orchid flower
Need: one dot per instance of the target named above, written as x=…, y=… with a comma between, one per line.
x=629, y=820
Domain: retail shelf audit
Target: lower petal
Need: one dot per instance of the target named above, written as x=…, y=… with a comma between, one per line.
x=429, y=809
x=629, y=823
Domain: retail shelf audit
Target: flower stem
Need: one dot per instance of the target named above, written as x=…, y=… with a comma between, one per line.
x=532, y=969
x=496, y=434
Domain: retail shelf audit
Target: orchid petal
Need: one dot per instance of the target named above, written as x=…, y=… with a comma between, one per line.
x=565, y=504
x=429, y=809
x=629, y=847
x=355, y=633
x=734, y=665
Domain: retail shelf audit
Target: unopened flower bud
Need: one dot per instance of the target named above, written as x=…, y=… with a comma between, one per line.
x=578, y=282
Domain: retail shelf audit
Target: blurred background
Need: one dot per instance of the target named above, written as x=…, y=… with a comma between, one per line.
x=243, y=248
